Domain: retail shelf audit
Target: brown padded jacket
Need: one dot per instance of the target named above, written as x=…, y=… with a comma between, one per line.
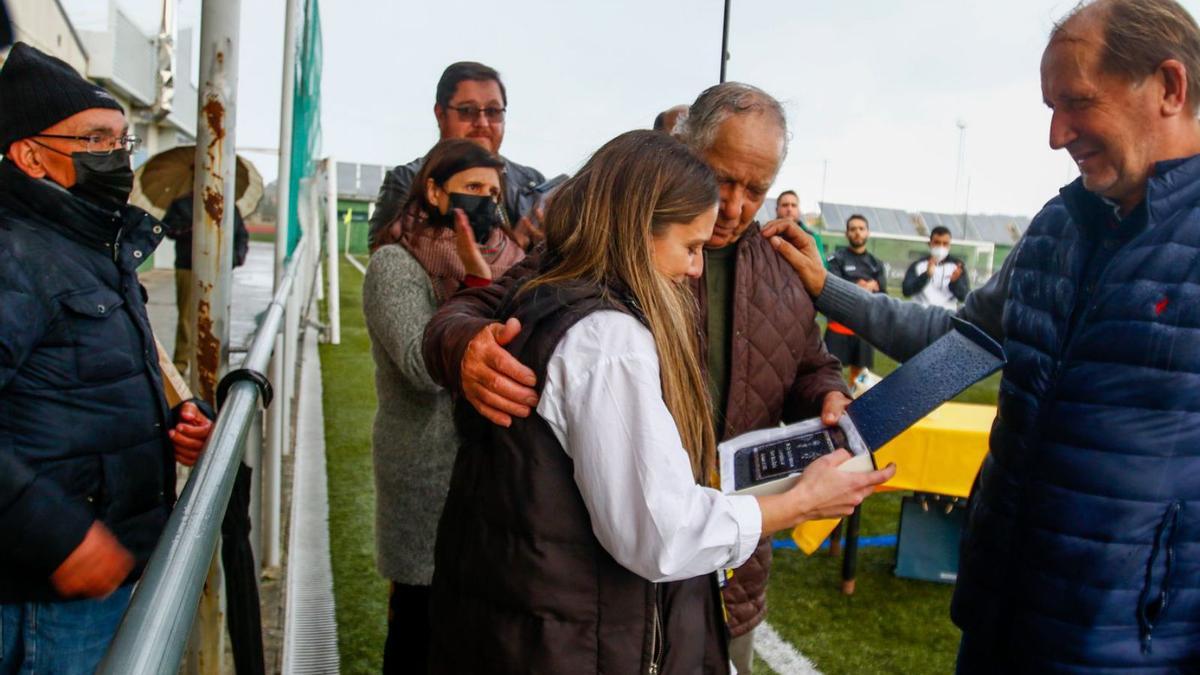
x=779, y=369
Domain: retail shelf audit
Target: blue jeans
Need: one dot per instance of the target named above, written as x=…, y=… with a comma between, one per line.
x=59, y=638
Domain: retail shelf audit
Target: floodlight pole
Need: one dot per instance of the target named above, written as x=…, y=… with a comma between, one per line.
x=725, y=41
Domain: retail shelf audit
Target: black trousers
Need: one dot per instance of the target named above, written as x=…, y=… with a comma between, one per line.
x=242, y=613
x=407, y=647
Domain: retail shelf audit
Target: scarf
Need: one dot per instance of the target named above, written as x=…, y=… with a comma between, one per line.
x=433, y=247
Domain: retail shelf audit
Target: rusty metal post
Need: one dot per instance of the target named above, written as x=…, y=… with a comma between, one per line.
x=213, y=194
x=212, y=248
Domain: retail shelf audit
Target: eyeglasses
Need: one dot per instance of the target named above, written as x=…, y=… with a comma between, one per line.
x=101, y=145
x=471, y=112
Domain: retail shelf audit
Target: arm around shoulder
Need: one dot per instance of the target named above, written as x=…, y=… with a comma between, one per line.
x=460, y=319
x=897, y=328
x=901, y=329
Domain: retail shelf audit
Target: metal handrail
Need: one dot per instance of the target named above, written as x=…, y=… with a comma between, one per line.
x=155, y=631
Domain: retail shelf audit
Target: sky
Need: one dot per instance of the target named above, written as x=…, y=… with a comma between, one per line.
x=875, y=90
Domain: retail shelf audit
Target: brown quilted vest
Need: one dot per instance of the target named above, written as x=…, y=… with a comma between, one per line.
x=521, y=584
x=779, y=371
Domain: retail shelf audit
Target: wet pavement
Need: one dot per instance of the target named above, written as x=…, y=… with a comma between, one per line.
x=252, y=284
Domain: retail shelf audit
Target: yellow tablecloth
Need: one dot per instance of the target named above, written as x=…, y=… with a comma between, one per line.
x=940, y=454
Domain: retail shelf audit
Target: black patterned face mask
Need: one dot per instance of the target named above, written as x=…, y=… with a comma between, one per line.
x=104, y=180
x=483, y=213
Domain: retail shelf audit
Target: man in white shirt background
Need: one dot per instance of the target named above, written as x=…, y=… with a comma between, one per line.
x=939, y=280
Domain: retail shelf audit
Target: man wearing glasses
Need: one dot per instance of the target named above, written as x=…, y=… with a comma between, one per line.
x=87, y=443
x=471, y=103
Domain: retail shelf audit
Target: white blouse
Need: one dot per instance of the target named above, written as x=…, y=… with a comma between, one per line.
x=603, y=400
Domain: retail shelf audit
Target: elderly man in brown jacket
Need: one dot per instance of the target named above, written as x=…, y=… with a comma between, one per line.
x=766, y=361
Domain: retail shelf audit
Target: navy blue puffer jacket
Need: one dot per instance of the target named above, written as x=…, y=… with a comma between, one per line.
x=1083, y=546
x=83, y=418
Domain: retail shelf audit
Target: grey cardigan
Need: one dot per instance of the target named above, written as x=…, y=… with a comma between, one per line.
x=413, y=440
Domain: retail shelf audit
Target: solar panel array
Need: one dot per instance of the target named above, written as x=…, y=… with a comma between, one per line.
x=890, y=221
x=1000, y=229
x=359, y=181
x=347, y=178
x=950, y=221
x=997, y=229
x=370, y=177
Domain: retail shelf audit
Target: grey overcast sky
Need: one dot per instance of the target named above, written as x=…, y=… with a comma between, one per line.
x=873, y=88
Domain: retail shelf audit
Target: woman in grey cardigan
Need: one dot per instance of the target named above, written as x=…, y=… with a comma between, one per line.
x=452, y=205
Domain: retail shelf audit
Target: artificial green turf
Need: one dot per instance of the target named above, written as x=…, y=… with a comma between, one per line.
x=347, y=375
x=889, y=624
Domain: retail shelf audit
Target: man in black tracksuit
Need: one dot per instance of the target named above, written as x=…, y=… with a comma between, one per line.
x=859, y=266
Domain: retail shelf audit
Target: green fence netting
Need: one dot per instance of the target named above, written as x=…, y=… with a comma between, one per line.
x=306, y=115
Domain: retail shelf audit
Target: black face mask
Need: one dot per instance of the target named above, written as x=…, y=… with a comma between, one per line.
x=104, y=180
x=482, y=212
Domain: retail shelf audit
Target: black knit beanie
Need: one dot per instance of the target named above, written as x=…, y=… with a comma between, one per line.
x=38, y=91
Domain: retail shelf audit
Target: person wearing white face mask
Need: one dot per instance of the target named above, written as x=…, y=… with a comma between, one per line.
x=940, y=279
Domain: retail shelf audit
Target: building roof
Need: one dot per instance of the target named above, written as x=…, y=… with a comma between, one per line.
x=998, y=229
x=359, y=181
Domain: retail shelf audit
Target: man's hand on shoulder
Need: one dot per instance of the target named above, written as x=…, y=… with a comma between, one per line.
x=96, y=568
x=799, y=249
x=494, y=382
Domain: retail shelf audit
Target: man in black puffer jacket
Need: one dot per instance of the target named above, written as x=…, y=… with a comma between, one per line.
x=87, y=442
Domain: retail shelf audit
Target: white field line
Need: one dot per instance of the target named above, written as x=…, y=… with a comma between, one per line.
x=779, y=655
x=357, y=265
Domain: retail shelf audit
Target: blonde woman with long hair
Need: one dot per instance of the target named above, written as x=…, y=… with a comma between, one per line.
x=587, y=538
